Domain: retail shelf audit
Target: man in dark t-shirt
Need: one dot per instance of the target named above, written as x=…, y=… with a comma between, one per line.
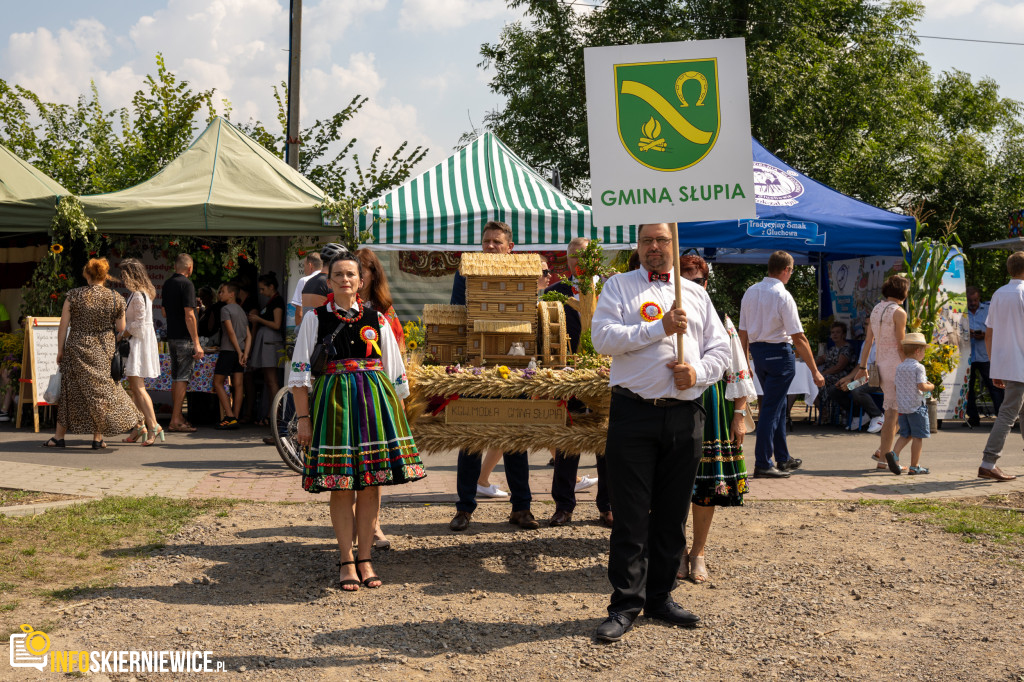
x=179, y=307
x=314, y=293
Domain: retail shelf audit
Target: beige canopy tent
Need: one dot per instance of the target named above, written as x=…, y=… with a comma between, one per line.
x=28, y=196
x=224, y=184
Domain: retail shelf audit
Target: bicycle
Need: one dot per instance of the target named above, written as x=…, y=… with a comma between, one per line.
x=285, y=427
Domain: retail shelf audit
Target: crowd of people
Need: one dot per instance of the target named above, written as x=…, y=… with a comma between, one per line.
x=678, y=418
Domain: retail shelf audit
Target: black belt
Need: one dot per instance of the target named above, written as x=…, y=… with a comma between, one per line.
x=657, y=402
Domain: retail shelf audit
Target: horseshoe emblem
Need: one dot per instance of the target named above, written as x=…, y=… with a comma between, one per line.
x=692, y=76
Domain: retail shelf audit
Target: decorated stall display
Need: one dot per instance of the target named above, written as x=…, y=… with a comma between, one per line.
x=446, y=332
x=501, y=306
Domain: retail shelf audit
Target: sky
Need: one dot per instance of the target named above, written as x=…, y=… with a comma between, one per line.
x=417, y=60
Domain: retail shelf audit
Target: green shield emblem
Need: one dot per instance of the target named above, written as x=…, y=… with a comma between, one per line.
x=668, y=113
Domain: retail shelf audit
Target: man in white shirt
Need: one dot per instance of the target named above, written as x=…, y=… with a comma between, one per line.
x=770, y=327
x=977, y=314
x=655, y=426
x=1004, y=339
x=310, y=267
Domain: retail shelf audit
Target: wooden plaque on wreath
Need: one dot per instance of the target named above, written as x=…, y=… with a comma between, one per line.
x=505, y=411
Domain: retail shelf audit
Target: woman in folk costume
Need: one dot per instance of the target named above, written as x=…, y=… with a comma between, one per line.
x=722, y=473
x=357, y=436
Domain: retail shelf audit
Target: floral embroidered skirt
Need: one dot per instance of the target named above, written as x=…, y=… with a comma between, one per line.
x=360, y=435
x=722, y=473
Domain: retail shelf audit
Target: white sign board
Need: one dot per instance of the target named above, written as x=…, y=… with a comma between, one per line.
x=669, y=127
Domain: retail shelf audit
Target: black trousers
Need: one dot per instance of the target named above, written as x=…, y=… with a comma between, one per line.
x=652, y=455
x=981, y=369
x=563, y=483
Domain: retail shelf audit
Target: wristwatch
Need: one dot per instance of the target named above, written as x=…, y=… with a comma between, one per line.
x=740, y=412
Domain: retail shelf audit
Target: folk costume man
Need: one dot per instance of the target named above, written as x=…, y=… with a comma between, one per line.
x=497, y=238
x=655, y=426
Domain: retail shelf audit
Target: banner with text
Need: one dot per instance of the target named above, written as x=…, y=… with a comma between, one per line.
x=669, y=127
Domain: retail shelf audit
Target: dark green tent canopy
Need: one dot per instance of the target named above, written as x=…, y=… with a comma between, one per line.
x=225, y=184
x=28, y=196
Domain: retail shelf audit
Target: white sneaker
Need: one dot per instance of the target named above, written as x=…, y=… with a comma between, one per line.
x=490, y=491
x=586, y=482
x=875, y=425
x=4, y=417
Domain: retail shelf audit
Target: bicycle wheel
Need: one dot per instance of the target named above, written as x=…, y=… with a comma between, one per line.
x=284, y=426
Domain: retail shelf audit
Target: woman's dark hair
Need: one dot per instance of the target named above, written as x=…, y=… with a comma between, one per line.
x=206, y=295
x=269, y=279
x=841, y=325
x=897, y=286
x=380, y=292
x=346, y=256
x=634, y=261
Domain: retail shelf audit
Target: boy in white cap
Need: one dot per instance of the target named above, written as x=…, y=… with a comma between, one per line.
x=911, y=384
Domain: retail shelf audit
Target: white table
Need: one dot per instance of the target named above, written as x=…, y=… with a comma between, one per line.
x=802, y=384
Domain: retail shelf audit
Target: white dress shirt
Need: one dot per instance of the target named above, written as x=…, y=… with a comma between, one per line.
x=641, y=350
x=391, y=356
x=768, y=313
x=1006, y=320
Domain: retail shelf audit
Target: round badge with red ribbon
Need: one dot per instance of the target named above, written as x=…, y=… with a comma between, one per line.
x=651, y=311
x=370, y=336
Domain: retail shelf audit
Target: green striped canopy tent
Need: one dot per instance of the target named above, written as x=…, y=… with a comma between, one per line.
x=446, y=208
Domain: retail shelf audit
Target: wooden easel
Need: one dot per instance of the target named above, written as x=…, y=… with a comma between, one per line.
x=38, y=364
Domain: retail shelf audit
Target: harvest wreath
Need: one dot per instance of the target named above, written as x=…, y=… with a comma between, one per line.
x=509, y=409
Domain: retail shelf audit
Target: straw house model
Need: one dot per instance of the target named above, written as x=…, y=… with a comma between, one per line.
x=446, y=332
x=501, y=305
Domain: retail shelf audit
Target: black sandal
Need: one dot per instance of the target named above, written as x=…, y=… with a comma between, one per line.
x=99, y=445
x=54, y=443
x=350, y=581
x=370, y=578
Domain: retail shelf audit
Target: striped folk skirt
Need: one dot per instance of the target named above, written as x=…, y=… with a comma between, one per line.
x=360, y=435
x=722, y=473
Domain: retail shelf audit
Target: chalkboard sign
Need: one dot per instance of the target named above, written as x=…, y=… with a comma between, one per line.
x=38, y=363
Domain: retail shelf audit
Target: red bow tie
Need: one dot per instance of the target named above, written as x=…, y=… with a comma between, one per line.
x=655, y=277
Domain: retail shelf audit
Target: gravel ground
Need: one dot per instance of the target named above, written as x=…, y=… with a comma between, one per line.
x=798, y=591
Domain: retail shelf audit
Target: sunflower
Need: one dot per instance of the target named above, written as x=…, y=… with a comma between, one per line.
x=412, y=345
x=56, y=248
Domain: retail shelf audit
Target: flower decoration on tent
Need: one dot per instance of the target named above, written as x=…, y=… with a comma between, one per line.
x=56, y=248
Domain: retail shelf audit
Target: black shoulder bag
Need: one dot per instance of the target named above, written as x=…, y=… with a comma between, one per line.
x=121, y=350
x=322, y=351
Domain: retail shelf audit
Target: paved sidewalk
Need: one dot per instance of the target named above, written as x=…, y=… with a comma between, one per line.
x=209, y=464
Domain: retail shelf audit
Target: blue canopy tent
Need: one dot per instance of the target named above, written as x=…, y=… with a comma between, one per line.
x=801, y=215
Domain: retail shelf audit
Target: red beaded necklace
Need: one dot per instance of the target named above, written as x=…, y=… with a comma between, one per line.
x=341, y=317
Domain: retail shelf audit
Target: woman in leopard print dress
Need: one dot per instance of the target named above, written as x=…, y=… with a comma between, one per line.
x=90, y=401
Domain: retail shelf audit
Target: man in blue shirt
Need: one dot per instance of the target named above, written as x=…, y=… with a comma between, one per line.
x=977, y=314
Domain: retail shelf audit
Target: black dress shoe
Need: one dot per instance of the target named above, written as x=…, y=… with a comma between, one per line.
x=524, y=519
x=460, y=521
x=560, y=518
x=673, y=613
x=613, y=628
x=790, y=464
x=770, y=472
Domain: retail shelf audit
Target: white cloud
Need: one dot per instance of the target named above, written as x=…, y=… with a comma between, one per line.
x=944, y=9
x=440, y=15
x=325, y=23
x=59, y=67
x=1006, y=17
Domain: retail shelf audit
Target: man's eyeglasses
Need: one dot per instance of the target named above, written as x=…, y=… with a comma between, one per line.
x=662, y=242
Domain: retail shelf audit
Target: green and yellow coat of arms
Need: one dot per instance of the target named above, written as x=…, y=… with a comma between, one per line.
x=668, y=113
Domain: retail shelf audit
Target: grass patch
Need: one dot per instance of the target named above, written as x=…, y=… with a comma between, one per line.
x=84, y=545
x=970, y=521
x=9, y=496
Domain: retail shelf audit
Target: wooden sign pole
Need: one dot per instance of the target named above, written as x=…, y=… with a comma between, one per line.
x=678, y=284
